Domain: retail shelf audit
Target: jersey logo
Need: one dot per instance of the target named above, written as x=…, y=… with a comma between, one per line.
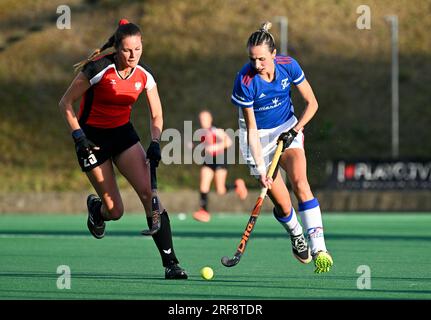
x=113, y=82
x=262, y=95
x=138, y=85
x=275, y=104
x=285, y=83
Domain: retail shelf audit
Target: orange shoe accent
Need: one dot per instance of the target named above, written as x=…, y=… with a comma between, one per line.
x=241, y=189
x=202, y=215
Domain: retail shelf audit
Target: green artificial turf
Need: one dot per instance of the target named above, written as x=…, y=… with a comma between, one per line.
x=395, y=248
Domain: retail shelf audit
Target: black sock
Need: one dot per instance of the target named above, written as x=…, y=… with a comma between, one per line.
x=203, y=203
x=163, y=240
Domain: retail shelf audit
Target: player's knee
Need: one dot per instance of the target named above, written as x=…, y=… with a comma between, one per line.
x=116, y=212
x=146, y=195
x=300, y=186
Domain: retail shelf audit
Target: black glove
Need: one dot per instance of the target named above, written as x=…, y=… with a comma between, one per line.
x=287, y=138
x=153, y=153
x=83, y=146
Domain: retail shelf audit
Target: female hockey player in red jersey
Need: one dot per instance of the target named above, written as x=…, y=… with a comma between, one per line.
x=108, y=85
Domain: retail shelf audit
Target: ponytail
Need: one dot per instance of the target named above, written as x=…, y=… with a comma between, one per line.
x=125, y=28
x=78, y=66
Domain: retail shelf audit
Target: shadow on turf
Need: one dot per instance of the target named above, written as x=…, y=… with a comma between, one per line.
x=212, y=234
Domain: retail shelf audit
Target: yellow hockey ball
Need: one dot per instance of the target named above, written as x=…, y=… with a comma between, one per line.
x=207, y=273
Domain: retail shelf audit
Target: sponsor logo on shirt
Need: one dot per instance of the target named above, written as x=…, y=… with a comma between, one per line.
x=275, y=103
x=262, y=95
x=113, y=82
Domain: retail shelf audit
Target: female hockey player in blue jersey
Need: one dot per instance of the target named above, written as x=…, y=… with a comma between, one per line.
x=262, y=93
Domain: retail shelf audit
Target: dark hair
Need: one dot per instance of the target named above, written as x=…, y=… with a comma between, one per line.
x=125, y=29
x=262, y=36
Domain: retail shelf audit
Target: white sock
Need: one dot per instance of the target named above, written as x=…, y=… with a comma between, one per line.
x=312, y=220
x=290, y=223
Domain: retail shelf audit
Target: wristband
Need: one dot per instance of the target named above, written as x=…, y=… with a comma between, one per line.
x=78, y=133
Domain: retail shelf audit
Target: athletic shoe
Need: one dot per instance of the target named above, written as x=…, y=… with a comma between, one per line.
x=95, y=222
x=300, y=248
x=241, y=189
x=322, y=261
x=202, y=215
x=174, y=271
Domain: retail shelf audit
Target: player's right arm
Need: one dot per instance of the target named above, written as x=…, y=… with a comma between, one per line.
x=255, y=146
x=77, y=88
x=83, y=146
x=243, y=97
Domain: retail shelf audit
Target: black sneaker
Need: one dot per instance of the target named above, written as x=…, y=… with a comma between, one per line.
x=95, y=223
x=174, y=271
x=300, y=248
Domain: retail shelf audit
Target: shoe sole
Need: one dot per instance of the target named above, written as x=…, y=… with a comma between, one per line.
x=323, y=263
x=177, y=278
x=196, y=217
x=97, y=236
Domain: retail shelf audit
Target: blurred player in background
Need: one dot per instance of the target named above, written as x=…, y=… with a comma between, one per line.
x=215, y=166
x=262, y=93
x=109, y=85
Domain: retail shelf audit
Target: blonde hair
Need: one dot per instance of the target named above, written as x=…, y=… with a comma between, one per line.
x=265, y=26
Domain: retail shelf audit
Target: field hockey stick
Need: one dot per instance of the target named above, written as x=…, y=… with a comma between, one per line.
x=155, y=210
x=255, y=213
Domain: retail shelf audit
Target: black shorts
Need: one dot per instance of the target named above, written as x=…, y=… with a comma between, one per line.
x=111, y=142
x=216, y=162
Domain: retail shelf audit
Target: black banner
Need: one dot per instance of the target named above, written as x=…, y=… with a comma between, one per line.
x=380, y=174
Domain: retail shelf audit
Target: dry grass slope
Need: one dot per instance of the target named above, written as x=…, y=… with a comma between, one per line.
x=195, y=48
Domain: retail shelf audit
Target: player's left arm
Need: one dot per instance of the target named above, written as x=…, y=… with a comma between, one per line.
x=311, y=104
x=156, y=113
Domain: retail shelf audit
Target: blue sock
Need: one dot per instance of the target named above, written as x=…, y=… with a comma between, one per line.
x=290, y=223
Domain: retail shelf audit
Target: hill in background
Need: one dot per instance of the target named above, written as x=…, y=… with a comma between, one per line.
x=195, y=49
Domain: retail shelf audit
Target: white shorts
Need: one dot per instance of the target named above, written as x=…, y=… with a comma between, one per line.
x=268, y=141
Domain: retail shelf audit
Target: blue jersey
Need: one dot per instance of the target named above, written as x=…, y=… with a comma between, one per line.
x=271, y=101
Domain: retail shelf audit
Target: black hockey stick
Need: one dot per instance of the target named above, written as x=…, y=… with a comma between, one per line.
x=226, y=261
x=155, y=210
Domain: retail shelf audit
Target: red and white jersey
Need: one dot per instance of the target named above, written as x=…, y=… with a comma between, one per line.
x=108, y=102
x=211, y=139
